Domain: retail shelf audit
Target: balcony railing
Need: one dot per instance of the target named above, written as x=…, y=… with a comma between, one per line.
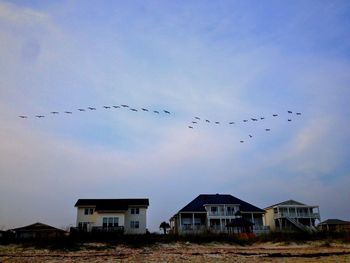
x=119, y=229
x=296, y=215
x=221, y=213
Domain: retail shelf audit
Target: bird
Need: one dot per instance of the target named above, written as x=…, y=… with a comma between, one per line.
x=81, y=109
x=116, y=107
x=68, y=112
x=254, y=119
x=250, y=136
x=194, y=122
x=124, y=106
x=23, y=116
x=132, y=109
x=190, y=127
x=197, y=118
x=241, y=141
x=261, y=118
x=217, y=122
x=290, y=111
x=267, y=129
x=155, y=111
x=207, y=121
x=106, y=107
x=298, y=113
x=168, y=112
x=39, y=116
x=144, y=109
x=54, y=112
x=274, y=115
x=232, y=122
x=91, y=108
x=245, y=120
x=289, y=119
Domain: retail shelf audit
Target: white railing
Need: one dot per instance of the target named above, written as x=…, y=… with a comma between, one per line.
x=221, y=213
x=296, y=215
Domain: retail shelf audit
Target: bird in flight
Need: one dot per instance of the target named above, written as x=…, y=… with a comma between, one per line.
x=168, y=112
x=132, y=109
x=232, y=122
x=155, y=111
x=124, y=106
x=54, y=112
x=190, y=127
x=23, y=116
x=250, y=136
x=116, y=107
x=298, y=113
x=91, y=108
x=245, y=120
x=217, y=122
x=254, y=119
x=274, y=115
x=267, y=129
x=261, y=118
x=68, y=112
x=40, y=116
x=194, y=122
x=197, y=118
x=81, y=109
x=290, y=111
x=207, y=121
x=241, y=141
x=106, y=107
x=289, y=119
x=144, y=109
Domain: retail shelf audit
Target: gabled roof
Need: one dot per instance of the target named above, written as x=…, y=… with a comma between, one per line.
x=334, y=222
x=197, y=205
x=112, y=204
x=36, y=227
x=288, y=202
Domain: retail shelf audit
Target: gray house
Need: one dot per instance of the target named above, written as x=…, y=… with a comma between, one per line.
x=217, y=213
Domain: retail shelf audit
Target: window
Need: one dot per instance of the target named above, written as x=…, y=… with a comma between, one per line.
x=134, y=224
x=135, y=211
x=110, y=222
x=88, y=211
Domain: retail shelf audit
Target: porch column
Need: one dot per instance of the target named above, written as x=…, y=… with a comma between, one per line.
x=288, y=210
x=252, y=217
x=180, y=226
x=192, y=221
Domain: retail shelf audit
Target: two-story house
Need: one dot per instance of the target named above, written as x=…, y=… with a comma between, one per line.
x=292, y=216
x=108, y=215
x=213, y=213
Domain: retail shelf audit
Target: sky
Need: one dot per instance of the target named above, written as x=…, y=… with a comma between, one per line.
x=223, y=61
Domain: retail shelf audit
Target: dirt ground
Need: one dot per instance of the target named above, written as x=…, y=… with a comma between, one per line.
x=183, y=252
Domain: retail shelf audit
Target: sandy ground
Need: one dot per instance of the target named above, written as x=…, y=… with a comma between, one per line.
x=183, y=252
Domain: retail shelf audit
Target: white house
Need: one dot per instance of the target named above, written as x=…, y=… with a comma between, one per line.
x=214, y=213
x=292, y=216
x=112, y=215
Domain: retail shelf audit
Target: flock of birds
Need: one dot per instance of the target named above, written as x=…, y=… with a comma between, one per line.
x=196, y=120
x=94, y=108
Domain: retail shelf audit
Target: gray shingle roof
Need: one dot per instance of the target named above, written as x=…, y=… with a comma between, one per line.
x=112, y=204
x=197, y=204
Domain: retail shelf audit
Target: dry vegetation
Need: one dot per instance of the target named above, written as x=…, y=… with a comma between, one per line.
x=182, y=252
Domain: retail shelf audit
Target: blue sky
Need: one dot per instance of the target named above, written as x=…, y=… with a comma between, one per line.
x=220, y=60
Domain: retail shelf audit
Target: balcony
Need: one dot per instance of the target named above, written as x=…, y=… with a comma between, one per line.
x=221, y=213
x=115, y=229
x=296, y=215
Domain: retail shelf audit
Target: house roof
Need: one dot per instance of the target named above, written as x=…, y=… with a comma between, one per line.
x=112, y=204
x=334, y=222
x=197, y=204
x=37, y=227
x=288, y=202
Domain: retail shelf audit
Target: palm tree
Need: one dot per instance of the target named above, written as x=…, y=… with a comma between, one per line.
x=164, y=225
